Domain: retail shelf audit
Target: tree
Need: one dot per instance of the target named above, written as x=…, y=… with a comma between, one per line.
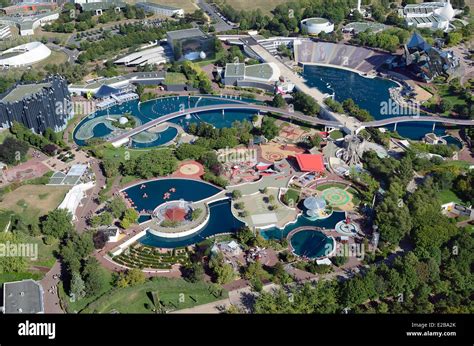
x=117, y=206
x=13, y=151
x=92, y=277
x=278, y=101
x=305, y=103
x=269, y=129
x=11, y=264
x=445, y=106
x=223, y=272
x=236, y=194
x=58, y=223
x=135, y=277
x=78, y=287
x=194, y=272
x=454, y=38
x=255, y=271
x=129, y=217
x=393, y=218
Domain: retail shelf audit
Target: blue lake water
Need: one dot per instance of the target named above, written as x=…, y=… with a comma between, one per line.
x=278, y=233
x=367, y=93
x=186, y=189
x=163, y=137
x=311, y=244
x=154, y=109
x=220, y=221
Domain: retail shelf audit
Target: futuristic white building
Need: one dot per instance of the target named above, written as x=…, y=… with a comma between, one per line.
x=431, y=15
x=314, y=26
x=24, y=55
x=155, y=55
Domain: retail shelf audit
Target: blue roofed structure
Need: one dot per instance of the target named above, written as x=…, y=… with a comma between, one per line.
x=106, y=91
x=418, y=42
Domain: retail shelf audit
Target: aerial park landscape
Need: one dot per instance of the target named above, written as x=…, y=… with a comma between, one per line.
x=198, y=157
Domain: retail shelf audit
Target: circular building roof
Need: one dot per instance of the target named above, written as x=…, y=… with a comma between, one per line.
x=314, y=203
x=25, y=54
x=315, y=20
x=175, y=214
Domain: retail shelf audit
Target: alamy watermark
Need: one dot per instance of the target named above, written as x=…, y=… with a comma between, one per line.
x=391, y=108
x=237, y=155
x=29, y=250
x=75, y=107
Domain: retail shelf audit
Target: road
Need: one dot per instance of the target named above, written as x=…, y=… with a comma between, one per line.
x=220, y=24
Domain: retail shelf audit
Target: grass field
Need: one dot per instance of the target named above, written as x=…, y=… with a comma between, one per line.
x=336, y=134
x=62, y=37
x=351, y=190
x=33, y=201
x=446, y=196
x=445, y=94
x=174, y=78
x=187, y=5
x=10, y=277
x=265, y=5
x=173, y=293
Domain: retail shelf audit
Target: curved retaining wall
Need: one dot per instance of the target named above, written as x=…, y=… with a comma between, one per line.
x=184, y=233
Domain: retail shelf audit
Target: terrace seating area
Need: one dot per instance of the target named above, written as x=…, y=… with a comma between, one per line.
x=358, y=58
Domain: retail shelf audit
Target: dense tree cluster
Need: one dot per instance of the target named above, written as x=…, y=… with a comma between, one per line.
x=13, y=151
x=355, y=111
x=305, y=103
x=68, y=23
x=130, y=35
x=158, y=162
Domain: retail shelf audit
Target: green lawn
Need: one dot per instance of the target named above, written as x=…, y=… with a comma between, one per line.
x=445, y=94
x=336, y=134
x=10, y=277
x=174, y=78
x=292, y=194
x=447, y=196
x=323, y=187
x=46, y=253
x=26, y=201
x=173, y=293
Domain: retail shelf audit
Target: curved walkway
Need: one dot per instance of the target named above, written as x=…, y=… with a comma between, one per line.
x=290, y=115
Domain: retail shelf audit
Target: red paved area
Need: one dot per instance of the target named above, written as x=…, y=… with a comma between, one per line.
x=189, y=169
x=33, y=168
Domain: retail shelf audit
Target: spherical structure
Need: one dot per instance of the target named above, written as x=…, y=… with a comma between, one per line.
x=123, y=120
x=314, y=203
x=316, y=25
x=25, y=54
x=202, y=55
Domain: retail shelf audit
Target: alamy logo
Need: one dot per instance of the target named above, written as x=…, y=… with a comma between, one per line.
x=37, y=329
x=8, y=249
x=394, y=108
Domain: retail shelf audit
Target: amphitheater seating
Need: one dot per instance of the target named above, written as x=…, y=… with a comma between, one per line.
x=358, y=58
